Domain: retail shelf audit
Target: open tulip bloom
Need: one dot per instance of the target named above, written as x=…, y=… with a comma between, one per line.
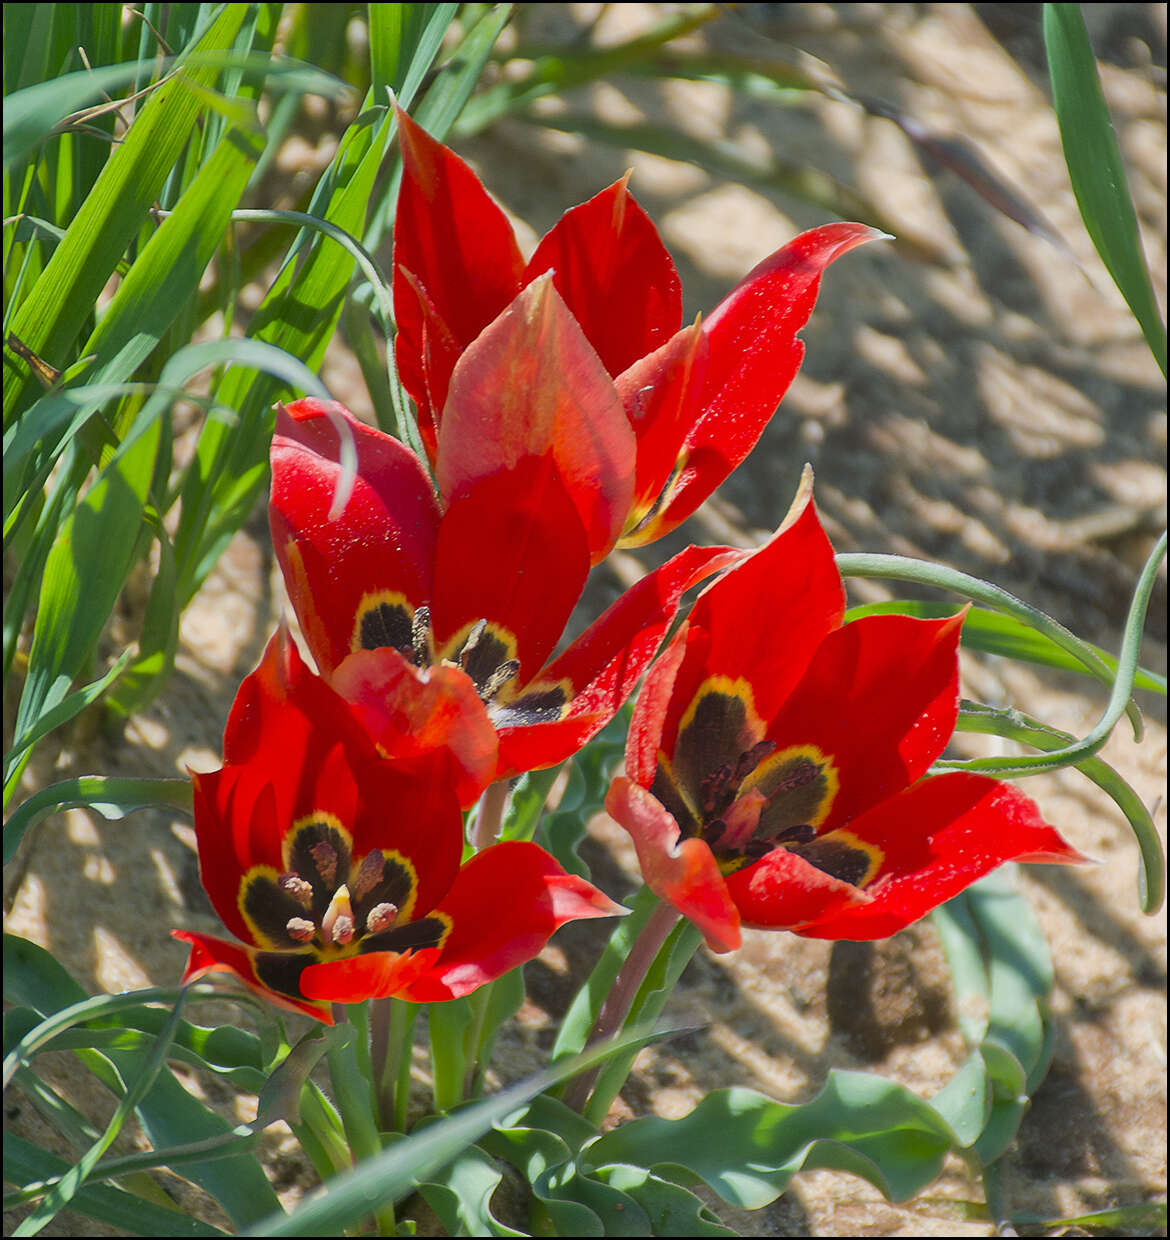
x=696, y=398
x=339, y=870
x=776, y=761
x=467, y=595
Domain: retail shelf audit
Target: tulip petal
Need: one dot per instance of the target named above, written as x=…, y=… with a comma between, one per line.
x=762, y=622
x=783, y=890
x=376, y=975
x=210, y=954
x=754, y=355
x=682, y=872
x=660, y=393
x=937, y=838
x=601, y=668
x=412, y=713
x=458, y=245
x=532, y=386
x=512, y=551
x=881, y=699
x=504, y=906
x=615, y=275
x=379, y=550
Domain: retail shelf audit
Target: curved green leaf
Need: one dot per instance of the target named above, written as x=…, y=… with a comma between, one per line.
x=1096, y=169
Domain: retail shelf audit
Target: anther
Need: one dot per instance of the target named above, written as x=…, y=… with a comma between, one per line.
x=420, y=636
x=499, y=678
x=295, y=886
x=803, y=833
x=325, y=858
x=300, y=929
x=343, y=931
x=473, y=638
x=750, y=760
x=369, y=875
x=381, y=917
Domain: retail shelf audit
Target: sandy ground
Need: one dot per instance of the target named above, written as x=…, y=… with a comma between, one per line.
x=988, y=407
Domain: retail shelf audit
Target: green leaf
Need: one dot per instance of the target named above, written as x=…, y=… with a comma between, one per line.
x=86, y=568
x=975, y=717
x=1096, y=169
x=747, y=1147
x=393, y=1173
x=170, y=1116
x=460, y=1194
x=50, y=318
x=111, y=796
x=671, y=1209
x=25, y=1163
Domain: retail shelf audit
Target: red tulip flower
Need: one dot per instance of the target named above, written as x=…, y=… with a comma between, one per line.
x=338, y=870
x=696, y=398
x=776, y=762
x=534, y=463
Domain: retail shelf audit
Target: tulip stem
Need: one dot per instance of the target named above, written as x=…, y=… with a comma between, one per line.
x=353, y=1094
x=489, y=815
x=390, y=1051
x=643, y=953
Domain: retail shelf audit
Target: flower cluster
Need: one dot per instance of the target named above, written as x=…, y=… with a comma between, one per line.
x=776, y=764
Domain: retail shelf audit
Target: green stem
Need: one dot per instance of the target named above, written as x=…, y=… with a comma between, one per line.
x=473, y=1039
x=490, y=815
x=319, y=1132
x=391, y=1022
x=407, y=1013
x=353, y=1093
x=621, y=996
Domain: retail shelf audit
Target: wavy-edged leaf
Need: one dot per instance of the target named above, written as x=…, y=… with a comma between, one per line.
x=859, y=1123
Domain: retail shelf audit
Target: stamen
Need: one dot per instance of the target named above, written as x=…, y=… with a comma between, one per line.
x=803, y=833
x=420, y=636
x=369, y=875
x=473, y=638
x=714, y=789
x=499, y=678
x=750, y=760
x=801, y=775
x=295, y=886
x=381, y=917
x=337, y=924
x=756, y=848
x=300, y=929
x=325, y=858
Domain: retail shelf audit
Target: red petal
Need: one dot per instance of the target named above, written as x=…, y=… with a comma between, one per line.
x=457, y=243
x=938, y=838
x=504, y=906
x=763, y=620
x=425, y=362
x=383, y=540
x=881, y=697
x=754, y=354
x=782, y=890
x=512, y=551
x=660, y=394
x=210, y=954
x=605, y=663
x=411, y=713
x=532, y=386
x=615, y=275
x=376, y=975
x=682, y=872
